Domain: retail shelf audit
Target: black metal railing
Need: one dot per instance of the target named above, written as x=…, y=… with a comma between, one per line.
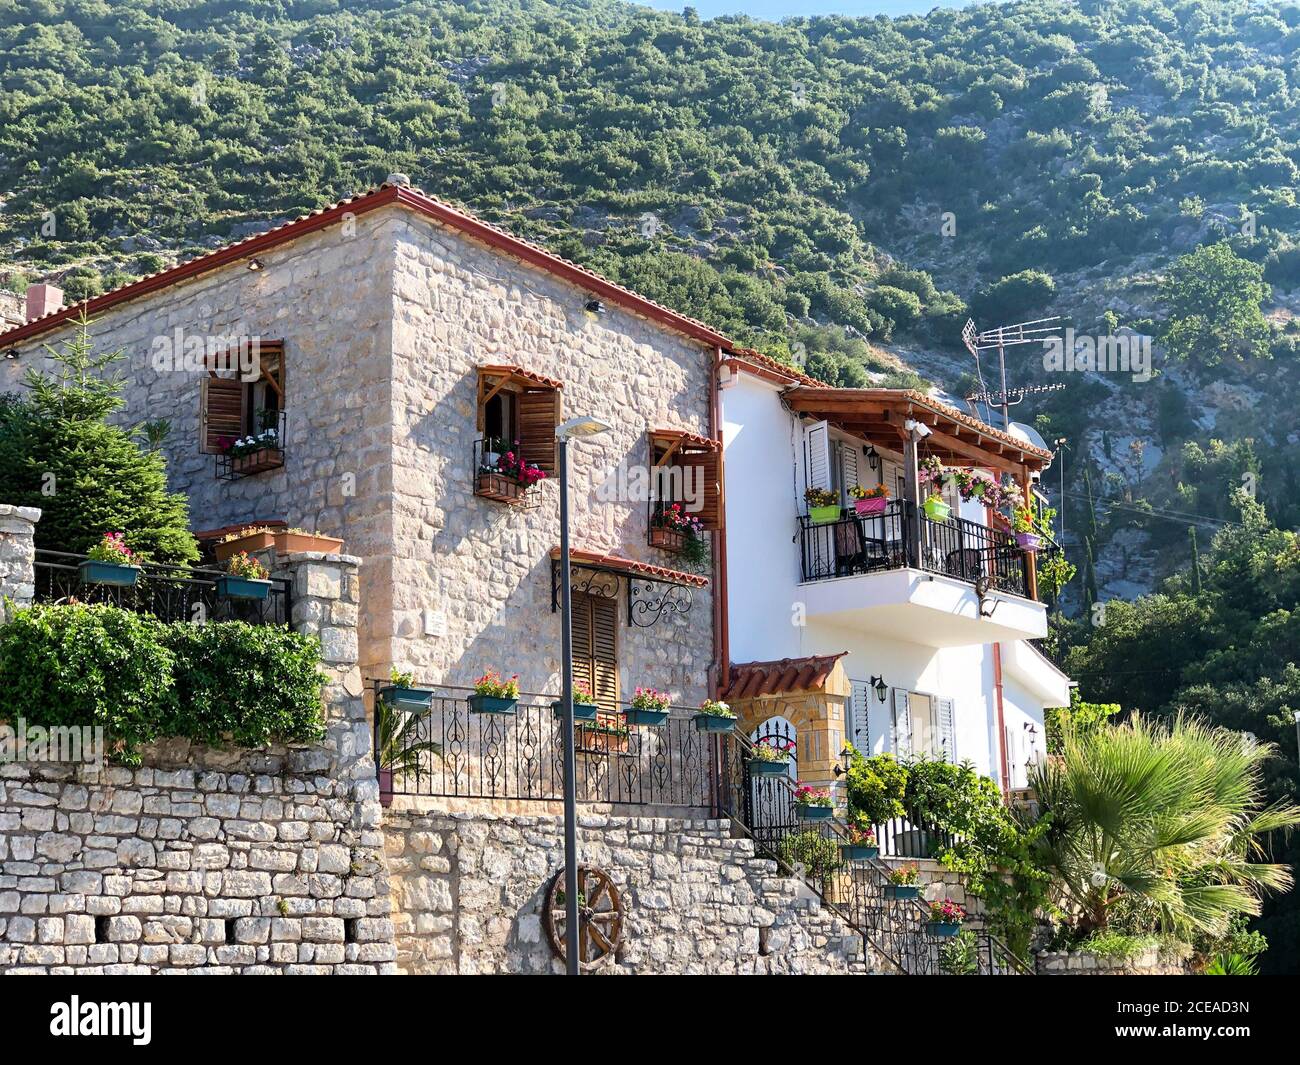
x=169, y=593
x=903, y=536
x=858, y=890
x=911, y=836
x=519, y=756
x=493, y=479
x=265, y=452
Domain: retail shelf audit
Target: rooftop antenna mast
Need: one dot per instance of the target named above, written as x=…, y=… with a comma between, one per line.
x=1003, y=337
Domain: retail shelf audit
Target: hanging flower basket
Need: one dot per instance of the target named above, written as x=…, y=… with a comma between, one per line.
x=650, y=718
x=229, y=587
x=1029, y=542
x=714, y=717
x=493, y=694
x=407, y=698
x=904, y=882
x=902, y=891
x=871, y=505
x=936, y=509
x=823, y=515
x=813, y=804
x=581, y=711
x=109, y=562
x=492, y=704
x=769, y=769
x=649, y=707
x=854, y=852
x=946, y=918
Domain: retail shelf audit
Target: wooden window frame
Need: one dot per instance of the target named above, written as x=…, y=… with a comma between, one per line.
x=270, y=350
x=538, y=411
x=682, y=449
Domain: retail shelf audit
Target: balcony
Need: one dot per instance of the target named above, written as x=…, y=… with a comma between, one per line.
x=256, y=453
x=941, y=583
x=501, y=475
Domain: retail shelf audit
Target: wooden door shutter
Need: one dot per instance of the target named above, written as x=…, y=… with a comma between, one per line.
x=945, y=728
x=221, y=402
x=709, y=480
x=901, y=725
x=848, y=472
x=817, y=445
x=595, y=647
x=860, y=712
x=539, y=414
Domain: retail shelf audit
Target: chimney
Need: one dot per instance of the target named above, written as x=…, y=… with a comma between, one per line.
x=43, y=300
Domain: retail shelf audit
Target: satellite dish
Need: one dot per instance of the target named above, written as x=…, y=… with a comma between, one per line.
x=1028, y=434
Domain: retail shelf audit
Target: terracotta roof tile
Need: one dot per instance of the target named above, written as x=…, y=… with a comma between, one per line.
x=749, y=680
x=633, y=567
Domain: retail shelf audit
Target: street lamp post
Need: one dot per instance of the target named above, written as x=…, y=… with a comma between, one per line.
x=574, y=427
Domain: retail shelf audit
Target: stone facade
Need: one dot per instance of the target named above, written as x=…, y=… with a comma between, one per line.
x=385, y=321
x=17, y=555
x=468, y=890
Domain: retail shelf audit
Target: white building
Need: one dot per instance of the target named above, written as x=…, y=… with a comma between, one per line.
x=912, y=634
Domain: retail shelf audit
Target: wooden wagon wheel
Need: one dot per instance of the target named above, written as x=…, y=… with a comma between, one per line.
x=600, y=916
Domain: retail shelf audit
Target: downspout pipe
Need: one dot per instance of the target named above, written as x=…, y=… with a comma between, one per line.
x=721, y=617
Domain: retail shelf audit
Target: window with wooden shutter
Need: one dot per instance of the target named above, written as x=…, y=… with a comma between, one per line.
x=231, y=407
x=945, y=729
x=222, y=405
x=688, y=470
x=595, y=647
x=817, y=455
x=539, y=414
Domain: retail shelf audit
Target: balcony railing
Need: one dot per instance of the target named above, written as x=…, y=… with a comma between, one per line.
x=264, y=453
x=169, y=593
x=520, y=756
x=903, y=536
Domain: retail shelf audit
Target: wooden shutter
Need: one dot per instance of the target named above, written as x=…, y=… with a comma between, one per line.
x=945, y=729
x=709, y=463
x=860, y=712
x=595, y=647
x=539, y=414
x=221, y=402
x=901, y=725
x=848, y=471
x=817, y=447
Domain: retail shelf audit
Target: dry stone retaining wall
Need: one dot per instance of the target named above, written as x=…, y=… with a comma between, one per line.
x=468, y=890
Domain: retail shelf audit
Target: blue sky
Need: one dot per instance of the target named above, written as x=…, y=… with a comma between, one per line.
x=778, y=9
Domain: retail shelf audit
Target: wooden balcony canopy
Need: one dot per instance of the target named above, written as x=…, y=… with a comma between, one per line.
x=878, y=416
x=630, y=567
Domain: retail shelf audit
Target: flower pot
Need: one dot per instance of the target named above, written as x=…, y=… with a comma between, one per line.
x=581, y=711
x=288, y=543
x=652, y=718
x=114, y=573
x=873, y=505
x=231, y=587
x=385, y=787
x=600, y=741
x=713, y=723
x=491, y=704
x=936, y=509
x=407, y=698
x=813, y=813
x=1029, y=542
x=823, y=515
x=258, y=541
x=668, y=539
x=768, y=769
x=913, y=843
x=499, y=486
x=853, y=852
x=259, y=461
x=902, y=891
x=945, y=929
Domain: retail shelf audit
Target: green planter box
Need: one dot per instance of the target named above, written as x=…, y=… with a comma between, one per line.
x=769, y=769
x=936, y=509
x=407, y=698
x=243, y=588
x=944, y=929
x=853, y=853
x=814, y=813
x=581, y=711
x=902, y=891
x=713, y=723
x=491, y=704
x=823, y=515
x=652, y=718
x=114, y=573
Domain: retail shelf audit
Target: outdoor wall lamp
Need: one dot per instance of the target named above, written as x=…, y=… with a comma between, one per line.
x=594, y=308
x=12, y=353
x=882, y=689
x=256, y=264
x=873, y=456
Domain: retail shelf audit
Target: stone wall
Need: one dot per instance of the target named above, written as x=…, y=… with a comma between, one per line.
x=468, y=890
x=219, y=860
x=17, y=555
x=1150, y=962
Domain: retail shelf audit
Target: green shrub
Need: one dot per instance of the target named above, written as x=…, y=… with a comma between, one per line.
x=819, y=855
x=86, y=665
x=254, y=684
x=142, y=680
x=876, y=786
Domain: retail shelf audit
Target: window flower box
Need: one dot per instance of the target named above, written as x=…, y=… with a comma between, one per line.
x=904, y=882
x=603, y=737
x=868, y=501
x=946, y=918
x=254, y=588
x=768, y=761
x=823, y=507
x=714, y=717
x=493, y=694
x=581, y=711
x=668, y=539
x=813, y=804
x=110, y=562
x=284, y=541
x=401, y=694
x=502, y=474
x=649, y=707
x=860, y=841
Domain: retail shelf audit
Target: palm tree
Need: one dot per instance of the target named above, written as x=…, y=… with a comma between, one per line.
x=397, y=747
x=1158, y=825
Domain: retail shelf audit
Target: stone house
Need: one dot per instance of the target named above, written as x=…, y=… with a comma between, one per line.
x=396, y=348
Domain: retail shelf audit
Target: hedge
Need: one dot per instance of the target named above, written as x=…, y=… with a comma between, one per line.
x=142, y=679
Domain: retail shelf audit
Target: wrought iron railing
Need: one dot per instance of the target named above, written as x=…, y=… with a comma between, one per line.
x=169, y=593
x=858, y=890
x=519, y=756
x=492, y=479
x=903, y=536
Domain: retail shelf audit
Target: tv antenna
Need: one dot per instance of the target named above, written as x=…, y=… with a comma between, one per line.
x=1001, y=338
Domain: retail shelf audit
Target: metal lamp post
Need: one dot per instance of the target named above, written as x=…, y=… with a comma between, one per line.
x=573, y=428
